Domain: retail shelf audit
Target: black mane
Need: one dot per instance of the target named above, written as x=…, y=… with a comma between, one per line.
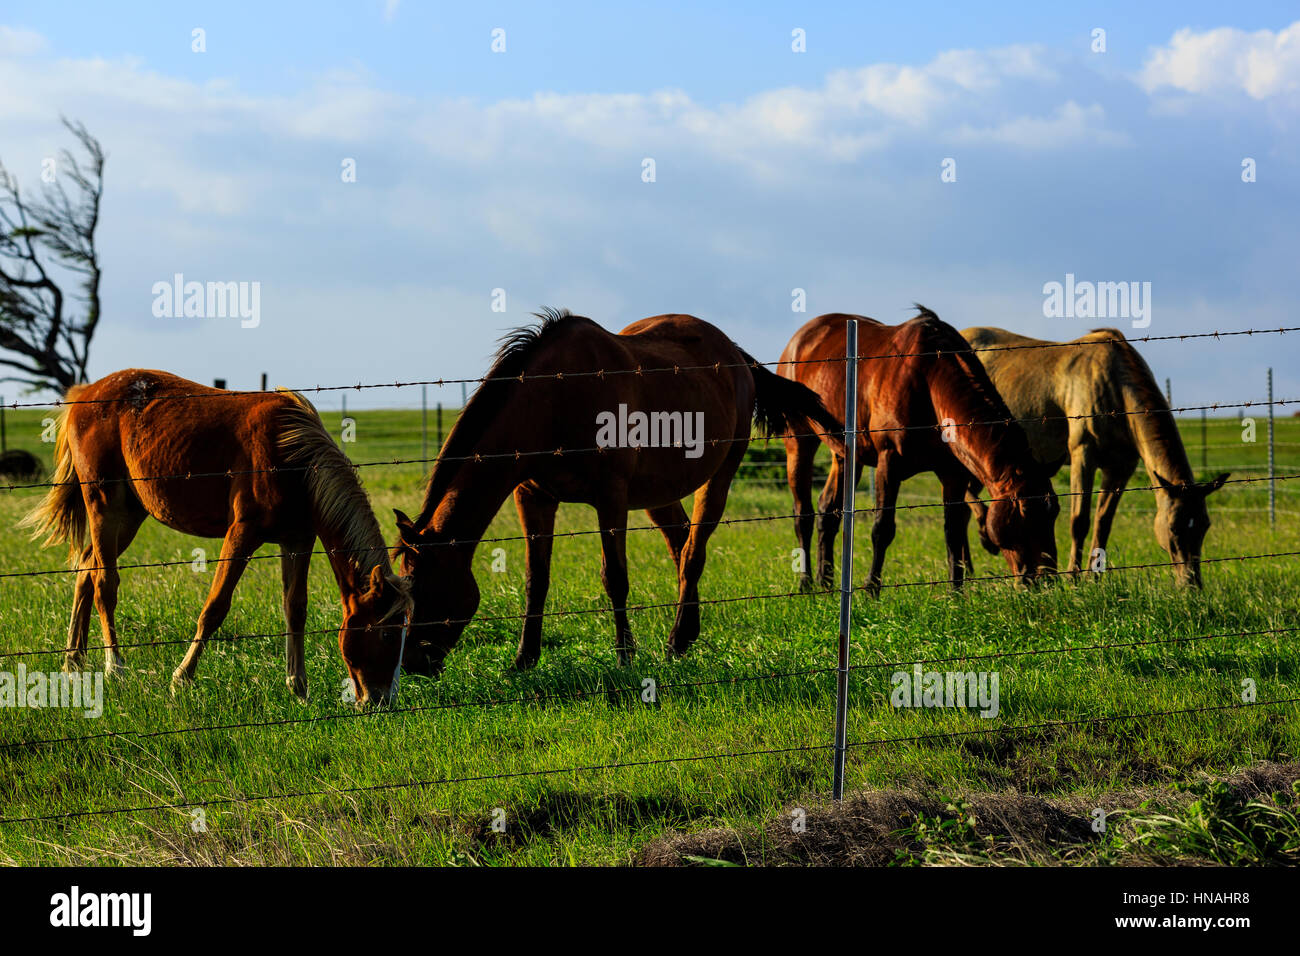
x=515, y=350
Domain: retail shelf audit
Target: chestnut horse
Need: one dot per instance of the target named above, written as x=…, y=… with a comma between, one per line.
x=924, y=404
x=1099, y=406
x=535, y=428
x=250, y=467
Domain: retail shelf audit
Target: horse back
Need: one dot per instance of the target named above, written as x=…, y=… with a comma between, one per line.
x=189, y=455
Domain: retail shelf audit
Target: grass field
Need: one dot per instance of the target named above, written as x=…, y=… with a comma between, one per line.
x=387, y=805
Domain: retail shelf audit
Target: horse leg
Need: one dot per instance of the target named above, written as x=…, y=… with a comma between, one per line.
x=612, y=515
x=112, y=527
x=710, y=503
x=1082, y=470
x=241, y=541
x=956, y=517
x=981, y=512
x=799, y=454
x=673, y=522
x=537, y=519
x=295, y=561
x=1113, y=482
x=882, y=531
x=83, y=603
x=828, y=521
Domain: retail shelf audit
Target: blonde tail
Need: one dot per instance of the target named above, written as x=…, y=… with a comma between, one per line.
x=61, y=516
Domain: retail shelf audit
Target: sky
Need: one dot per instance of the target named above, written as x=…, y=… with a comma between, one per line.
x=962, y=159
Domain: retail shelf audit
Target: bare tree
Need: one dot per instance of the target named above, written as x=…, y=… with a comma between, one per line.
x=45, y=333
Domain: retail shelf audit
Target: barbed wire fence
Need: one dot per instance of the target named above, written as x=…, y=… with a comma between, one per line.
x=840, y=745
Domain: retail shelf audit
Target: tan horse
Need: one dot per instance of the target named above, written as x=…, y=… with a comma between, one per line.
x=539, y=428
x=1089, y=405
x=249, y=467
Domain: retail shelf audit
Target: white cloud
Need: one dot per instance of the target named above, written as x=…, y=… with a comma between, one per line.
x=1262, y=64
x=1069, y=125
x=19, y=42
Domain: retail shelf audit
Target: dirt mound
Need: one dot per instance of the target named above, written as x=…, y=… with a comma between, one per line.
x=880, y=827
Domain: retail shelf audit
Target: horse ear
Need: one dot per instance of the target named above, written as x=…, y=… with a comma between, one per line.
x=1216, y=483
x=1166, y=485
x=377, y=579
x=406, y=529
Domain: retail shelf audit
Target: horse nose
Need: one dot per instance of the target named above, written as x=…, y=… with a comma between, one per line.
x=374, y=697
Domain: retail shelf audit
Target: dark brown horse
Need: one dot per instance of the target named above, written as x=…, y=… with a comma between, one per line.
x=544, y=427
x=925, y=404
x=128, y=447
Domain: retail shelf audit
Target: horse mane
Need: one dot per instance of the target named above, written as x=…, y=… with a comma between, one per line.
x=338, y=501
x=515, y=351
x=1138, y=376
x=1158, y=441
x=938, y=336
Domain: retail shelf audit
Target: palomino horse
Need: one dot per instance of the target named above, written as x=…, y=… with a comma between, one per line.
x=1097, y=404
x=923, y=405
x=251, y=467
x=547, y=424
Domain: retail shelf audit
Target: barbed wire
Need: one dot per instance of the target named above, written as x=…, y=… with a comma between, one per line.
x=702, y=602
x=619, y=765
x=560, y=452
x=749, y=519
x=610, y=692
x=675, y=369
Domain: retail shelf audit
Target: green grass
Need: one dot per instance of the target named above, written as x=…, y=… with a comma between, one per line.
x=606, y=816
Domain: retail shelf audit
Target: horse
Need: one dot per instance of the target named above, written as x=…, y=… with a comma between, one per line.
x=568, y=413
x=1095, y=403
x=249, y=467
x=924, y=404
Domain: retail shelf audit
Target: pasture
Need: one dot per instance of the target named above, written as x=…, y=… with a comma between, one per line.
x=424, y=784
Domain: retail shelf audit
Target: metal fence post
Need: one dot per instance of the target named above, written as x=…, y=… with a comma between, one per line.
x=424, y=422
x=440, y=426
x=1272, y=489
x=3, y=437
x=846, y=556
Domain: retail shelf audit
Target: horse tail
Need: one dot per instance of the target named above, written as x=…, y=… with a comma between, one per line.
x=783, y=406
x=61, y=515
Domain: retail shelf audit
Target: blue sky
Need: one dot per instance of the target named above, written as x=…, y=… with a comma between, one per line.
x=775, y=170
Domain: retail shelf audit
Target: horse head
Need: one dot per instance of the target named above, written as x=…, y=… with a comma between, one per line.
x=444, y=594
x=1021, y=523
x=1181, y=523
x=372, y=634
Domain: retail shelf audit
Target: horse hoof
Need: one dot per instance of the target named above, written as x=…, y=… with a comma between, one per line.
x=526, y=662
x=114, y=665
x=625, y=656
x=72, y=665
x=298, y=686
x=180, y=681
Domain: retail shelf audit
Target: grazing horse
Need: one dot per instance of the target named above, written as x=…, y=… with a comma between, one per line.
x=1099, y=406
x=250, y=467
x=923, y=405
x=548, y=425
